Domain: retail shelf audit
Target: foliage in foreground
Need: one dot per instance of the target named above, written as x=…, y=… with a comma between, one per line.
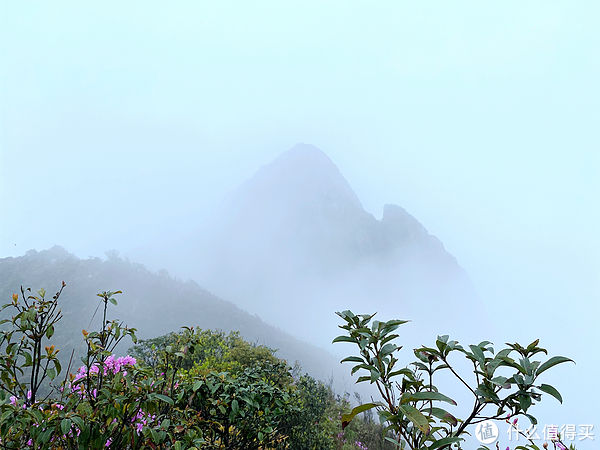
x=192, y=389
x=206, y=389
x=506, y=384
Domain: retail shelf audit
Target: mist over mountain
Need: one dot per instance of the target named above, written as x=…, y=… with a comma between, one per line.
x=154, y=303
x=288, y=248
x=291, y=245
x=295, y=241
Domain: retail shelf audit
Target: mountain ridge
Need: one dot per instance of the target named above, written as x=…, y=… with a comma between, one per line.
x=154, y=303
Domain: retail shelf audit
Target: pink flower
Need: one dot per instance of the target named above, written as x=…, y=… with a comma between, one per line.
x=127, y=361
x=13, y=400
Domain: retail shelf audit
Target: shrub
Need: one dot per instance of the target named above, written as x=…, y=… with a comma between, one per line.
x=506, y=383
x=191, y=389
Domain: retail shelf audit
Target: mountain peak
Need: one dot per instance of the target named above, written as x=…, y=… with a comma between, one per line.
x=306, y=153
x=296, y=234
x=305, y=160
x=302, y=177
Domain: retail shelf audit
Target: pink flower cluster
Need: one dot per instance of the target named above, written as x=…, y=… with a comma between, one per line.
x=14, y=399
x=111, y=364
x=142, y=419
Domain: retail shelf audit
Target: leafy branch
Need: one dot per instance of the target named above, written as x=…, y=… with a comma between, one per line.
x=506, y=381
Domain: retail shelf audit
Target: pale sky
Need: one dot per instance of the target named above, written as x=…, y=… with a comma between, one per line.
x=125, y=121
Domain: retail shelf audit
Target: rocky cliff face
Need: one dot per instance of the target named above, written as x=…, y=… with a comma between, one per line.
x=295, y=238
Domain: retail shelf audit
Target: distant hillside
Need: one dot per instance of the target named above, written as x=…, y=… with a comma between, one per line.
x=294, y=240
x=153, y=303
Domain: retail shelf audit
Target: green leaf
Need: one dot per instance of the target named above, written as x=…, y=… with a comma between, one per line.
x=347, y=314
x=526, y=364
x=417, y=396
x=347, y=418
x=532, y=419
x=387, y=349
x=65, y=425
x=442, y=414
x=50, y=331
x=405, y=372
x=343, y=339
x=375, y=375
x=507, y=361
x=499, y=381
x=44, y=436
x=393, y=323
x=352, y=359
x=551, y=390
x=393, y=441
x=112, y=300
x=503, y=353
x=57, y=366
x=553, y=362
x=533, y=345
x=486, y=392
x=388, y=338
x=524, y=402
x=478, y=353
x=164, y=398
x=416, y=417
x=79, y=422
x=358, y=367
